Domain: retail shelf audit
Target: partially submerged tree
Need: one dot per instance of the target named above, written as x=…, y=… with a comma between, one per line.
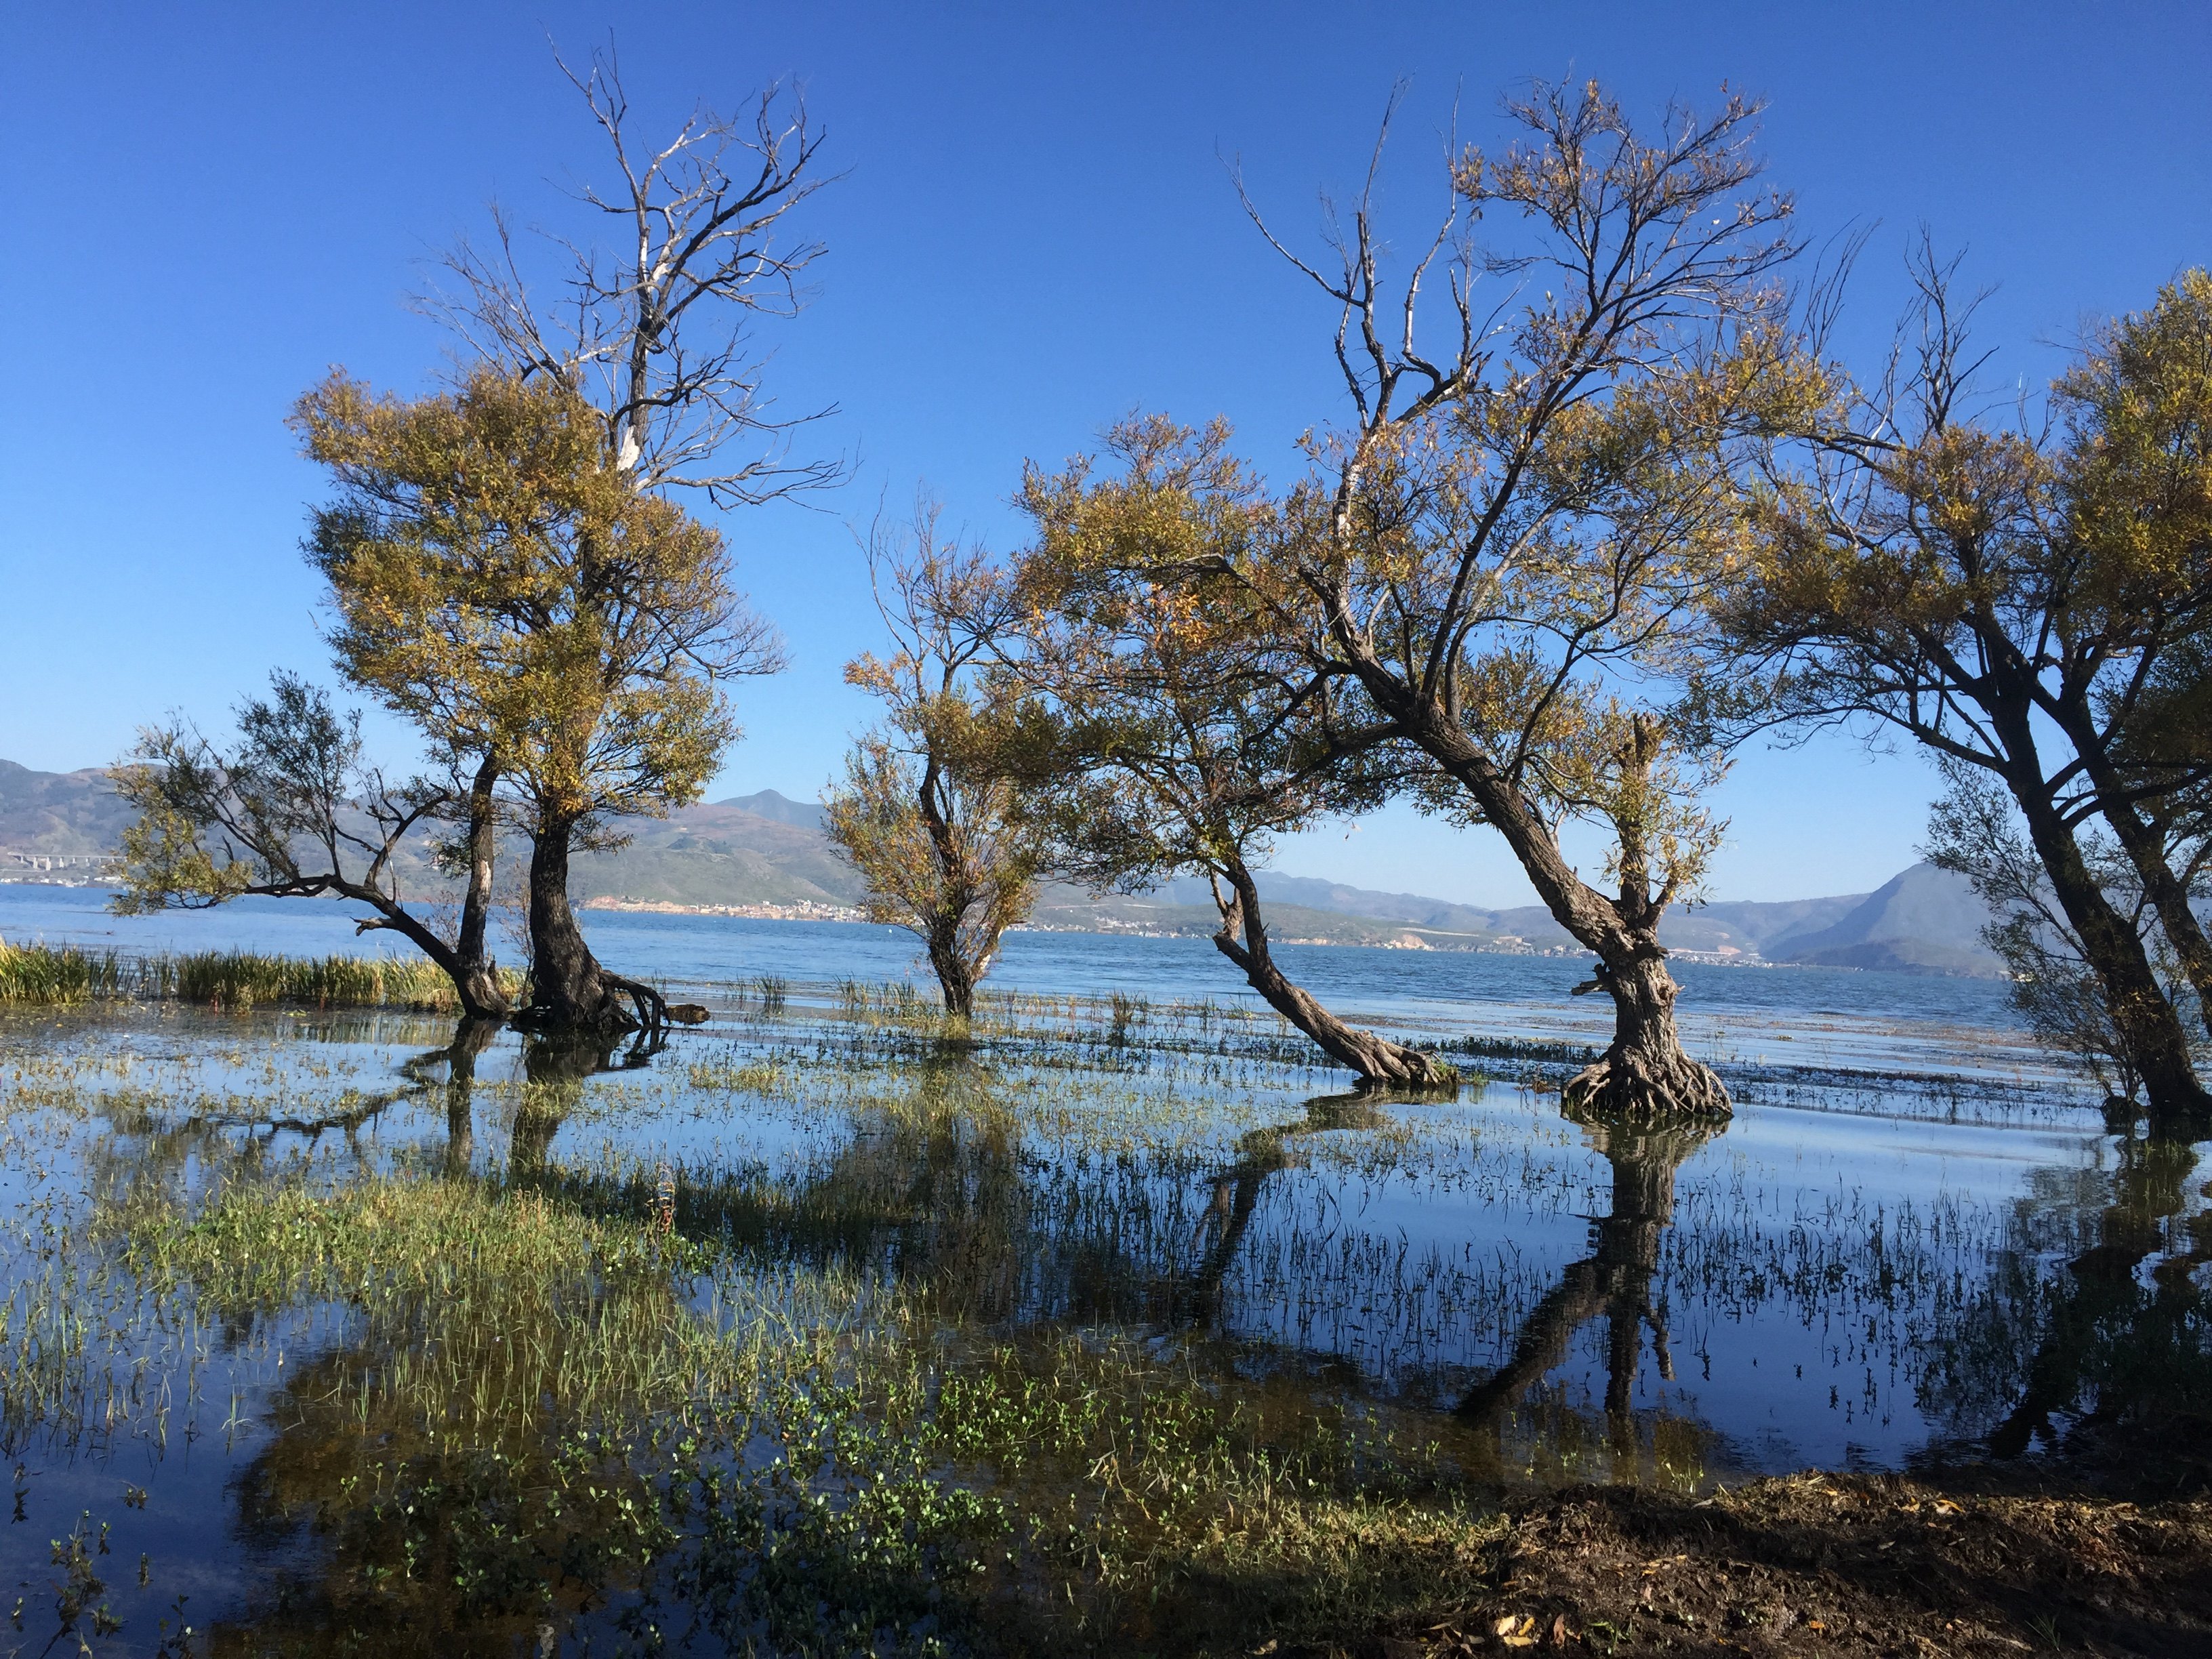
x=2009, y=598
x=506, y=575
x=647, y=350
x=291, y=811
x=1192, y=745
x=496, y=582
x=1974, y=831
x=931, y=812
x=1508, y=535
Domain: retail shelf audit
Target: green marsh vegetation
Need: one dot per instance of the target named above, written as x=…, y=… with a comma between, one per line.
x=480, y=1374
x=223, y=979
x=1092, y=1326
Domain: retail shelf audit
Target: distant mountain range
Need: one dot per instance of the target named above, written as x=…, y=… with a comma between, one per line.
x=765, y=852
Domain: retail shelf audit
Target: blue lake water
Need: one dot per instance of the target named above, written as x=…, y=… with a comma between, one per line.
x=1812, y=1016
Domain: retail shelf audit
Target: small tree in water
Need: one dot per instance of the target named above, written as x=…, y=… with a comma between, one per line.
x=502, y=586
x=930, y=813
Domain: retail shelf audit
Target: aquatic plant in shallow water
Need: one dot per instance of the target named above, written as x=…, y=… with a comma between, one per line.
x=788, y=1454
x=223, y=979
x=41, y=974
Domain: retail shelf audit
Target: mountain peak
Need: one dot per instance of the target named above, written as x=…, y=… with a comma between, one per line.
x=777, y=807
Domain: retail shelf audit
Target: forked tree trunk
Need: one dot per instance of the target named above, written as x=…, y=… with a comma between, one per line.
x=1375, y=1060
x=2141, y=1011
x=2146, y=849
x=570, y=991
x=475, y=982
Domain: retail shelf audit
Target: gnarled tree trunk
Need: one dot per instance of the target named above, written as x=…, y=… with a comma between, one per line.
x=1645, y=1072
x=1377, y=1060
x=1644, y=1075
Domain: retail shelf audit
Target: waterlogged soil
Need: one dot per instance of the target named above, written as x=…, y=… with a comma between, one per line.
x=1108, y=1327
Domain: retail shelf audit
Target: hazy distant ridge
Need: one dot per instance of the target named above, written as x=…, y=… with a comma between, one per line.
x=765, y=849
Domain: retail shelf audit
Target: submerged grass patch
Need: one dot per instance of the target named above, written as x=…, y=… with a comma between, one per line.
x=504, y=1406
x=236, y=980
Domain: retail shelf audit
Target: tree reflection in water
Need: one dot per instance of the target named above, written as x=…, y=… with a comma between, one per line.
x=471, y=1038
x=1615, y=1280
x=2131, y=1350
x=555, y=1069
x=1262, y=1154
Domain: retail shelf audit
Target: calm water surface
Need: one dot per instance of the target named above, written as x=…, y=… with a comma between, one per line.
x=1935, y=1251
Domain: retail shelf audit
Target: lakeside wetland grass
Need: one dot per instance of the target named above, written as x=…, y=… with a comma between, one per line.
x=1092, y=1325
x=238, y=980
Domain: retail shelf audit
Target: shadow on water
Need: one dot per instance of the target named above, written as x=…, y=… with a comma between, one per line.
x=1487, y=1255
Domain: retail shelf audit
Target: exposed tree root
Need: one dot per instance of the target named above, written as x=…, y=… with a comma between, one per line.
x=1633, y=1085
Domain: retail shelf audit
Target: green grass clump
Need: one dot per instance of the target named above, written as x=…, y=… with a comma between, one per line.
x=243, y=979
x=226, y=979
x=35, y=972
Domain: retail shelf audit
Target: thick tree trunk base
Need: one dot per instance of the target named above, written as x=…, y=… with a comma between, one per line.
x=571, y=994
x=1644, y=1077
x=1633, y=1086
x=621, y=1006
x=1392, y=1067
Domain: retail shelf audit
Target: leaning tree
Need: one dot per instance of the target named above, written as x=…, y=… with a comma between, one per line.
x=1182, y=748
x=1502, y=544
x=2028, y=602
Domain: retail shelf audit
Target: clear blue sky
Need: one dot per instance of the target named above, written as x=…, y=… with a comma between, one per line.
x=212, y=204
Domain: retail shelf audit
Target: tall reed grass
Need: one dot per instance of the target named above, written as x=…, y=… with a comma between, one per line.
x=223, y=979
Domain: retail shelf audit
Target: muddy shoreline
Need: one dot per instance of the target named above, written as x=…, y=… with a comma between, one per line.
x=1993, y=1560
